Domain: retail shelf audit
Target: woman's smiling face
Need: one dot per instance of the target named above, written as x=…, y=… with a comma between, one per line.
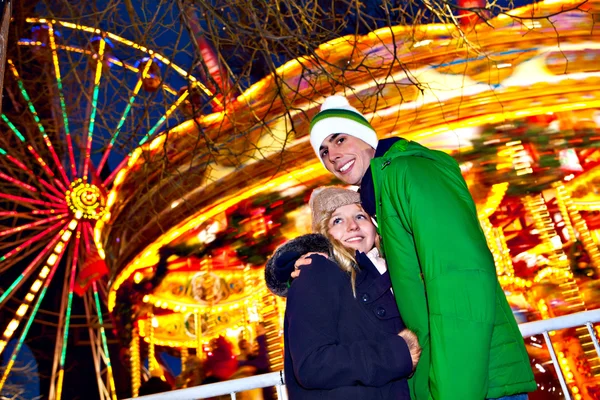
x=352, y=227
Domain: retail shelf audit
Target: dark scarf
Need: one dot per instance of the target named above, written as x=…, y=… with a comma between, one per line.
x=367, y=190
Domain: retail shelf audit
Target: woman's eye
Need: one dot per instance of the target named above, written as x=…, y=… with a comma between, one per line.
x=323, y=153
x=336, y=221
x=361, y=216
x=340, y=140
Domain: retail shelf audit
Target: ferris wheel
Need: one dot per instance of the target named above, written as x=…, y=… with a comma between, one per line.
x=80, y=100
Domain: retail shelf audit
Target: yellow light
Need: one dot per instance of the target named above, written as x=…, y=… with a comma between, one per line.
x=14, y=324
x=22, y=310
x=570, y=375
x=134, y=156
x=112, y=196
x=78, y=214
x=44, y=272
x=28, y=298
x=66, y=236
x=120, y=176
x=146, y=298
x=137, y=277
x=102, y=254
x=36, y=286
x=53, y=257
x=2, y=345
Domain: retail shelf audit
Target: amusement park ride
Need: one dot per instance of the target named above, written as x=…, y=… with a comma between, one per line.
x=185, y=234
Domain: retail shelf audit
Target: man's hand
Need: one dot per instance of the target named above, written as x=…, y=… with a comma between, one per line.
x=413, y=345
x=304, y=260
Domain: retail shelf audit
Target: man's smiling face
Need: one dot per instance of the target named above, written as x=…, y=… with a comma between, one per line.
x=347, y=157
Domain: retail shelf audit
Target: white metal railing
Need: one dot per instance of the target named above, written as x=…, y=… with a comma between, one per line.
x=276, y=379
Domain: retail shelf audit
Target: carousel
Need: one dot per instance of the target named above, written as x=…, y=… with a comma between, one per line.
x=516, y=100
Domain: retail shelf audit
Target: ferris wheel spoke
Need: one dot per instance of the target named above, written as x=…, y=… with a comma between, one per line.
x=29, y=202
x=50, y=187
x=44, y=278
x=63, y=106
x=30, y=225
x=104, y=342
x=30, y=268
x=30, y=148
x=17, y=182
x=67, y=314
x=54, y=198
x=94, y=107
x=41, y=128
x=15, y=161
x=167, y=114
x=113, y=174
x=132, y=98
x=88, y=234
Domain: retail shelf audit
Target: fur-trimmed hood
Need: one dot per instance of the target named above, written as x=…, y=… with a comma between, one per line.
x=281, y=264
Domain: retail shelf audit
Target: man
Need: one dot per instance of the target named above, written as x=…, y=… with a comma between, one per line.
x=442, y=271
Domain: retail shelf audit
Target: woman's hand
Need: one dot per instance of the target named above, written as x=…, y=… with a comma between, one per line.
x=413, y=345
x=304, y=260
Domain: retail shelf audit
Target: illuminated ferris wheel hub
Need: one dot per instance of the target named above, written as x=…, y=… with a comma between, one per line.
x=86, y=200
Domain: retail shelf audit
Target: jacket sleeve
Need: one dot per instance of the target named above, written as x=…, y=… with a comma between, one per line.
x=320, y=361
x=458, y=273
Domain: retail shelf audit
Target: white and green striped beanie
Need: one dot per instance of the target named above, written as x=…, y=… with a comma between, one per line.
x=338, y=116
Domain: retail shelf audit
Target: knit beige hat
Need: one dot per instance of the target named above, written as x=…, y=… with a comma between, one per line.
x=326, y=199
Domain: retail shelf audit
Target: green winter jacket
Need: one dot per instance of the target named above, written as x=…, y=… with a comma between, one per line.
x=444, y=279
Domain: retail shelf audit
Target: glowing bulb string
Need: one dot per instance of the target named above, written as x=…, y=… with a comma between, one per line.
x=63, y=107
x=67, y=322
x=31, y=267
x=31, y=240
x=31, y=318
x=34, y=113
x=132, y=98
x=94, y=108
x=32, y=224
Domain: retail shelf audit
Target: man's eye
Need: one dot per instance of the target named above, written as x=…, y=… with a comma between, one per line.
x=340, y=140
x=323, y=153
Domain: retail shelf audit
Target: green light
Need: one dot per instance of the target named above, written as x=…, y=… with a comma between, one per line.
x=101, y=323
x=12, y=128
x=151, y=131
x=93, y=114
x=3, y=152
x=122, y=121
x=31, y=107
x=8, y=291
x=63, y=353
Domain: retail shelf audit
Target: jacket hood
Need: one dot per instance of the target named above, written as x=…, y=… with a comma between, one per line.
x=281, y=264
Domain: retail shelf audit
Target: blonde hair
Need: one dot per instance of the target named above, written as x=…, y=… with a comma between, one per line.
x=344, y=256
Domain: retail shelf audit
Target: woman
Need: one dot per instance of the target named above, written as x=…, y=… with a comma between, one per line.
x=343, y=335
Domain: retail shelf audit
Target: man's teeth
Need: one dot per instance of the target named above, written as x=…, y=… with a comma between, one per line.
x=345, y=167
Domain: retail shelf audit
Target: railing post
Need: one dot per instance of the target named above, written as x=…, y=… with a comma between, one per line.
x=590, y=327
x=559, y=373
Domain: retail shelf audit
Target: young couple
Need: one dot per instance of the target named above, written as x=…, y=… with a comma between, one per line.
x=345, y=330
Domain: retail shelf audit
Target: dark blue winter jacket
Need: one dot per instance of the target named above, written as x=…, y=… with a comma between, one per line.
x=341, y=347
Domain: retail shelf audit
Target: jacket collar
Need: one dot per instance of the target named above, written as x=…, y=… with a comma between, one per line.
x=367, y=189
